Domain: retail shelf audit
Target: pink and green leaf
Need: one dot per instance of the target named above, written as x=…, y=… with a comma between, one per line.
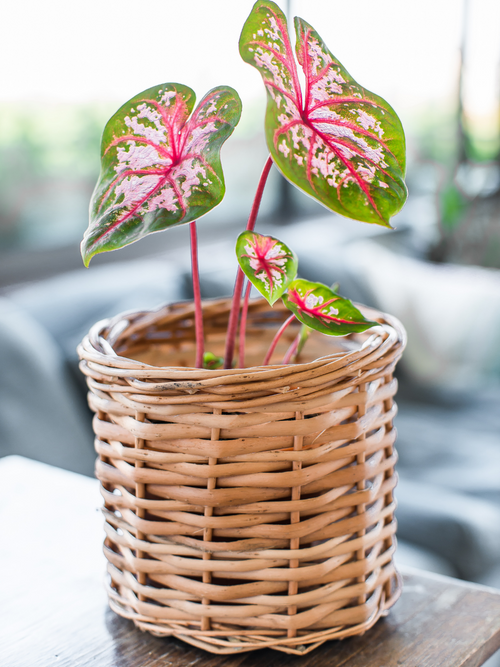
x=160, y=165
x=267, y=263
x=322, y=309
x=341, y=144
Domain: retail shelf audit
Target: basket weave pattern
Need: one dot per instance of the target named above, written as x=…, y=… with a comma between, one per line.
x=245, y=508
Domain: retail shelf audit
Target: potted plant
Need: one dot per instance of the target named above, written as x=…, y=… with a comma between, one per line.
x=248, y=501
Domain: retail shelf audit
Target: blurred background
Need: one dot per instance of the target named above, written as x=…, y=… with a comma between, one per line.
x=67, y=67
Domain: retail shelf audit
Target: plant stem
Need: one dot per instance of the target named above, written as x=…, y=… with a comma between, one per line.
x=198, y=313
x=232, y=324
x=304, y=334
x=276, y=339
x=291, y=350
x=296, y=347
x=258, y=195
x=243, y=325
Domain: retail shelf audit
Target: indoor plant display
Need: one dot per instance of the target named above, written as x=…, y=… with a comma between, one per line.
x=248, y=505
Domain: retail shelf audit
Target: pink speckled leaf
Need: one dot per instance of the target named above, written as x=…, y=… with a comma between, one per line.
x=337, y=142
x=160, y=165
x=267, y=262
x=319, y=307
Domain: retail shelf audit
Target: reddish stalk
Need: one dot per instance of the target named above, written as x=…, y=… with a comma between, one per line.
x=243, y=325
x=291, y=350
x=232, y=325
x=198, y=313
x=279, y=333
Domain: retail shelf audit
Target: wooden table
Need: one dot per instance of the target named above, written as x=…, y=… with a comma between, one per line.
x=53, y=610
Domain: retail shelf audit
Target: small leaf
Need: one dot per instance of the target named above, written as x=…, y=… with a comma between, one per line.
x=339, y=143
x=159, y=166
x=267, y=262
x=212, y=361
x=318, y=307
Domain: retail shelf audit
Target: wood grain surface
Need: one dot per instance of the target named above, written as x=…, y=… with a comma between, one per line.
x=53, y=609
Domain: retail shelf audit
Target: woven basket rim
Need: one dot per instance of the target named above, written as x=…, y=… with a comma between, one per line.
x=96, y=348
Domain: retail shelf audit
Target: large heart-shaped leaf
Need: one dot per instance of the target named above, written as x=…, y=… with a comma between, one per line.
x=267, y=262
x=159, y=166
x=337, y=142
x=320, y=308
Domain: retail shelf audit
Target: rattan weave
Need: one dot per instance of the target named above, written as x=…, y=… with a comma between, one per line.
x=245, y=508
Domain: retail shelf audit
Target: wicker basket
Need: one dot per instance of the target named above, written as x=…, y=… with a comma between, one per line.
x=245, y=508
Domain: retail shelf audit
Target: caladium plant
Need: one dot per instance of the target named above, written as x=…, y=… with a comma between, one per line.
x=337, y=142
x=160, y=167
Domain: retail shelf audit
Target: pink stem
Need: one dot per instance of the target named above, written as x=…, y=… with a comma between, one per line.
x=243, y=325
x=291, y=350
x=232, y=324
x=198, y=313
x=280, y=331
x=258, y=195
